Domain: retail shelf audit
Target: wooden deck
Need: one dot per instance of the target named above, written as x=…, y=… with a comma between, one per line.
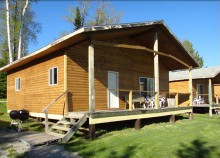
x=141, y=113
x=201, y=106
x=39, y=139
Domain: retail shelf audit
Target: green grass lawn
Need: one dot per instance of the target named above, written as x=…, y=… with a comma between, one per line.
x=30, y=124
x=184, y=139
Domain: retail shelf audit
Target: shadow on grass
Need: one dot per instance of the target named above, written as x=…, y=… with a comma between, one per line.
x=129, y=151
x=196, y=149
x=86, y=149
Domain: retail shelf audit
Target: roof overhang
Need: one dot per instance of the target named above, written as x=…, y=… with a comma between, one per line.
x=134, y=30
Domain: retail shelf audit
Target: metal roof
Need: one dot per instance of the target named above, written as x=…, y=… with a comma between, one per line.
x=200, y=73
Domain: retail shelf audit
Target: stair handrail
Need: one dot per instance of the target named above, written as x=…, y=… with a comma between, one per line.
x=45, y=110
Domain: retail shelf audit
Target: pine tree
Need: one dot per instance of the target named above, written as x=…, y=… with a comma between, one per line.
x=78, y=19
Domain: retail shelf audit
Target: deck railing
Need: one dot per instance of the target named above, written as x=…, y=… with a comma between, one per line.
x=131, y=97
x=45, y=110
x=205, y=98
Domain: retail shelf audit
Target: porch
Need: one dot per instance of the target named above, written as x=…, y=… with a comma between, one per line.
x=108, y=116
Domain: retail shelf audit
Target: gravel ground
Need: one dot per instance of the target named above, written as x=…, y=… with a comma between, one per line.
x=10, y=146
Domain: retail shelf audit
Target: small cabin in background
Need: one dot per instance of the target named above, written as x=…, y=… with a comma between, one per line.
x=100, y=71
x=205, y=83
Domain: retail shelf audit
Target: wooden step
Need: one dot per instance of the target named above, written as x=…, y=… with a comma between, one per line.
x=56, y=134
x=60, y=128
x=75, y=115
x=66, y=122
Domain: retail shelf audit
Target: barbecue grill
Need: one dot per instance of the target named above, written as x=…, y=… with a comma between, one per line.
x=18, y=116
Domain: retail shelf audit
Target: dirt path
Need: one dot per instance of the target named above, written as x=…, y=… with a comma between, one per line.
x=11, y=147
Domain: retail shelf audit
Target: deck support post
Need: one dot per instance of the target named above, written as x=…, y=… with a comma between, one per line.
x=91, y=131
x=156, y=71
x=172, y=118
x=210, y=97
x=190, y=115
x=130, y=100
x=177, y=99
x=91, y=79
x=190, y=88
x=137, y=125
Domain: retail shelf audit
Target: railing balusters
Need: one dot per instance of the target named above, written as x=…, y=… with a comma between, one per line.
x=45, y=110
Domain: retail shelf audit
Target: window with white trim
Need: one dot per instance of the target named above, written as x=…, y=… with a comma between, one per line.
x=146, y=84
x=17, y=84
x=53, y=76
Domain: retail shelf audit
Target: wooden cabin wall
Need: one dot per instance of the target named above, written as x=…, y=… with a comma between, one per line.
x=35, y=93
x=130, y=64
x=183, y=87
x=217, y=89
x=205, y=83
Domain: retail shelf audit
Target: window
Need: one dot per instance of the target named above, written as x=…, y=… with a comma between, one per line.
x=17, y=84
x=146, y=84
x=53, y=76
x=199, y=89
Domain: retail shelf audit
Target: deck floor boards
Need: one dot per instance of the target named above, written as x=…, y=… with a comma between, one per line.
x=38, y=139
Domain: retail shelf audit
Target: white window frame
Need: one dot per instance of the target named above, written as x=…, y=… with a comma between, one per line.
x=148, y=87
x=52, y=84
x=18, y=86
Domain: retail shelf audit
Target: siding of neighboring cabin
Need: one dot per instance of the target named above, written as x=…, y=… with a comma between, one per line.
x=131, y=64
x=35, y=93
x=217, y=89
x=183, y=87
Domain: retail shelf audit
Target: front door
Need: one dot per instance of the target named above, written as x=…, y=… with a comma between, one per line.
x=113, y=100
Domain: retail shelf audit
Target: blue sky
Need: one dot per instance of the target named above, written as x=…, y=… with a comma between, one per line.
x=196, y=21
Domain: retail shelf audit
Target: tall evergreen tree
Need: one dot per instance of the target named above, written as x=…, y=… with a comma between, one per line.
x=78, y=19
x=103, y=14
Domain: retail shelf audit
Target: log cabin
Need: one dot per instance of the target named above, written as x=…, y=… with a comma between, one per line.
x=205, y=85
x=94, y=69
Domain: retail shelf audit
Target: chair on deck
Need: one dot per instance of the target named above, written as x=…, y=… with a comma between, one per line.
x=198, y=101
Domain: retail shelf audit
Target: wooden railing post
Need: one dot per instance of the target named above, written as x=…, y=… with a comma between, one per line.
x=130, y=100
x=217, y=102
x=46, y=121
x=177, y=99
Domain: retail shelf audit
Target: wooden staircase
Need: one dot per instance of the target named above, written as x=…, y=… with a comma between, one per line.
x=63, y=130
x=67, y=126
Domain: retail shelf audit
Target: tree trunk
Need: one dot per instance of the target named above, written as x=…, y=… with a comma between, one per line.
x=21, y=29
x=8, y=31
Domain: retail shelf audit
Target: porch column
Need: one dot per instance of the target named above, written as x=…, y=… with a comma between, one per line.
x=91, y=79
x=156, y=71
x=91, y=89
x=190, y=88
x=210, y=97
